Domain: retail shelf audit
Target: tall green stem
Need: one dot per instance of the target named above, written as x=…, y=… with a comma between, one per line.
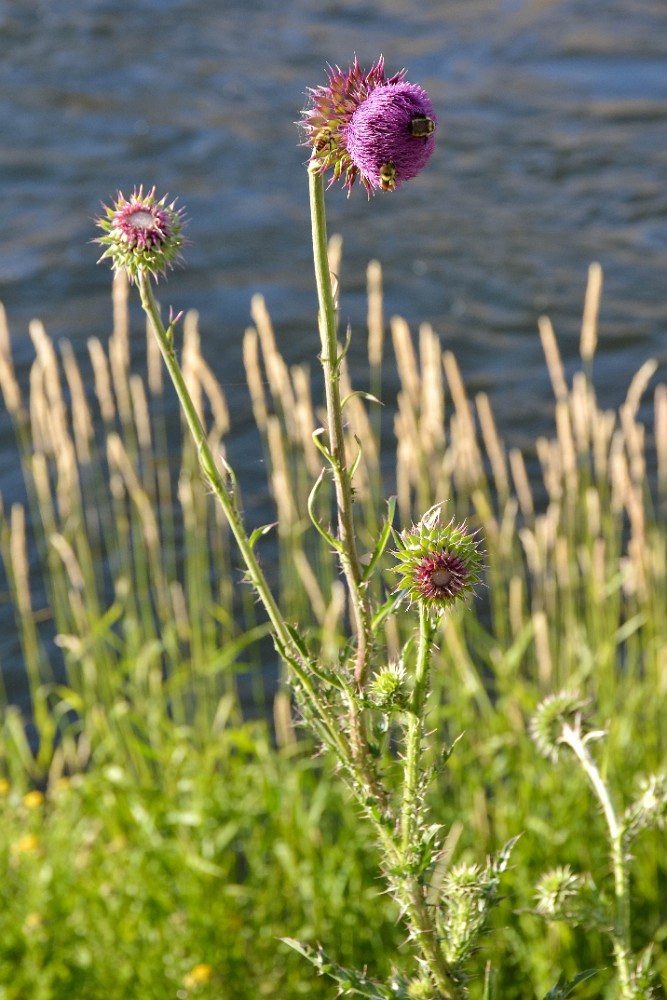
x=209, y=467
x=323, y=721
x=331, y=361
x=621, y=930
x=415, y=730
x=420, y=916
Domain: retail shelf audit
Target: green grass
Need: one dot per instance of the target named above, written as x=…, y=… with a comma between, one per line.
x=119, y=885
x=174, y=835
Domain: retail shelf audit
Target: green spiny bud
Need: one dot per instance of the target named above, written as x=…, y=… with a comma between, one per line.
x=388, y=689
x=467, y=895
x=561, y=894
x=420, y=988
x=556, y=893
x=650, y=808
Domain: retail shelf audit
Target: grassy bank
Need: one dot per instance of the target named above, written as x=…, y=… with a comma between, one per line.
x=153, y=843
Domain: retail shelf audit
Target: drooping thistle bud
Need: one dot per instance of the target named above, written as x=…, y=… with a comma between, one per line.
x=558, y=710
x=363, y=125
x=439, y=565
x=142, y=234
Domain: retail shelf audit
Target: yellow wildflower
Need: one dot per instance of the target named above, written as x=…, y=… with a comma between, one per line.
x=26, y=845
x=33, y=800
x=198, y=975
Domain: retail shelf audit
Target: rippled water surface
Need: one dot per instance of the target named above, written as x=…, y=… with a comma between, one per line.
x=552, y=153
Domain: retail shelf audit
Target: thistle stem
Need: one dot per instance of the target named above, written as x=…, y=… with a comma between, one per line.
x=287, y=648
x=331, y=361
x=415, y=730
x=208, y=465
x=425, y=934
x=621, y=930
x=419, y=916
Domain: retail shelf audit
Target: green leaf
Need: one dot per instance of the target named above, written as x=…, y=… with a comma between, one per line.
x=364, y=395
x=503, y=856
x=489, y=990
x=346, y=347
x=312, y=497
x=231, y=651
x=317, y=434
x=259, y=532
x=560, y=991
x=383, y=539
x=357, y=459
x=297, y=640
x=350, y=981
x=385, y=610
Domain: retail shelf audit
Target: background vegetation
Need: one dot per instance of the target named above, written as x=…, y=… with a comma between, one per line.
x=156, y=840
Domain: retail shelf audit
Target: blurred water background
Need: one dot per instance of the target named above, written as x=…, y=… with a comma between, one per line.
x=552, y=153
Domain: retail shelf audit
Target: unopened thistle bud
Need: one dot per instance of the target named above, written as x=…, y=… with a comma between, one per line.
x=387, y=689
x=363, y=125
x=438, y=564
x=557, y=894
x=141, y=234
x=650, y=808
x=420, y=988
x=466, y=902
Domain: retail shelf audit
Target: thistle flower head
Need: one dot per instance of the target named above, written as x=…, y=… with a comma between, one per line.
x=363, y=125
x=141, y=234
x=438, y=564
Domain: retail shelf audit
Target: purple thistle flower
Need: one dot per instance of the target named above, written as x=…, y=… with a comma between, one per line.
x=438, y=564
x=367, y=126
x=141, y=234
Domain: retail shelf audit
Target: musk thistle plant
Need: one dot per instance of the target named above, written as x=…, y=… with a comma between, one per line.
x=382, y=131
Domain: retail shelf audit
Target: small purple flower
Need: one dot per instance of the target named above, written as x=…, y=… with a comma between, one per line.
x=142, y=234
x=364, y=125
x=438, y=564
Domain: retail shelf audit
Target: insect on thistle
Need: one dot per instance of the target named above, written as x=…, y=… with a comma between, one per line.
x=323, y=140
x=422, y=126
x=388, y=176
